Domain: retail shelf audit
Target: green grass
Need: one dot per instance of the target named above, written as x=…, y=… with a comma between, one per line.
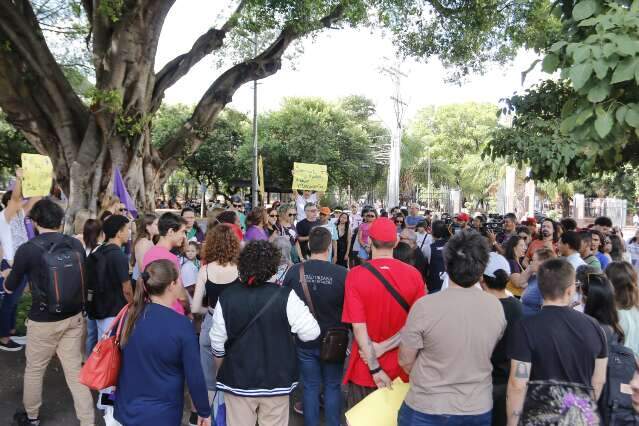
x=23, y=309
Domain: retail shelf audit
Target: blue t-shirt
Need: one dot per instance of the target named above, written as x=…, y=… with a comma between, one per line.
x=161, y=352
x=603, y=260
x=412, y=221
x=531, y=299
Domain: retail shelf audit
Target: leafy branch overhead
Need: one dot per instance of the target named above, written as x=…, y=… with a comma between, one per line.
x=588, y=120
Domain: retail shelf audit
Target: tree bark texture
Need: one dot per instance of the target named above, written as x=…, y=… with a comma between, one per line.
x=87, y=139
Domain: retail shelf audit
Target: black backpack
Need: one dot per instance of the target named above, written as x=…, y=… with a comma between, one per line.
x=615, y=403
x=64, y=289
x=101, y=296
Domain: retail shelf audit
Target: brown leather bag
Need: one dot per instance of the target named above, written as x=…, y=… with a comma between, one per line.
x=335, y=341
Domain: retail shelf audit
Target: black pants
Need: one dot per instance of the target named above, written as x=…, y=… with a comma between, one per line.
x=499, y=405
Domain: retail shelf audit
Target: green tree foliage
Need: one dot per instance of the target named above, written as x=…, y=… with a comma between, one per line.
x=311, y=130
x=454, y=136
x=12, y=145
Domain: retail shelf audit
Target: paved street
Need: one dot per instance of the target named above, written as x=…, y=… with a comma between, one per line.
x=57, y=405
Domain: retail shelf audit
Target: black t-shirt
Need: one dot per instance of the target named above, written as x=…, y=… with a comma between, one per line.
x=303, y=230
x=28, y=263
x=117, y=266
x=501, y=362
x=326, y=283
x=561, y=343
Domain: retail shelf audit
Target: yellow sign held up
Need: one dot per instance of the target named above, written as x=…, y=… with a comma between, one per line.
x=310, y=177
x=37, y=172
x=379, y=408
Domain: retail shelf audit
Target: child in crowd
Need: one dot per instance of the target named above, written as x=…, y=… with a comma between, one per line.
x=190, y=265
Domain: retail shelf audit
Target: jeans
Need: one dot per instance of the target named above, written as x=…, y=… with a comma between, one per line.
x=409, y=417
x=9, y=310
x=92, y=336
x=103, y=325
x=316, y=373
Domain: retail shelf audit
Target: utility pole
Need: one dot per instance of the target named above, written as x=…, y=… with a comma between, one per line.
x=254, y=185
x=399, y=106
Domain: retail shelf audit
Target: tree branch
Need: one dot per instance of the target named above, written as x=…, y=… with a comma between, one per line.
x=178, y=67
x=224, y=87
x=36, y=95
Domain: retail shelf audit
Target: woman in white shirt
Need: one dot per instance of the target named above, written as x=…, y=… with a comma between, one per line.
x=624, y=279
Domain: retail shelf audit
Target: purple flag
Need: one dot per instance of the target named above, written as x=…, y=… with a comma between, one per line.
x=120, y=190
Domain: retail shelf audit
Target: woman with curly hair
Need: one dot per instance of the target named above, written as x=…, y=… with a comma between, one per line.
x=218, y=272
x=252, y=323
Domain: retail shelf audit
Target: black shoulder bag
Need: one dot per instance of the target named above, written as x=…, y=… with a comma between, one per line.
x=335, y=341
x=388, y=286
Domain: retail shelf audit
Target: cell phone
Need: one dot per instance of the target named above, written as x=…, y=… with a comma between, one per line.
x=106, y=398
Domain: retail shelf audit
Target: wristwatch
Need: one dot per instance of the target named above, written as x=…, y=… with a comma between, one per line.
x=375, y=371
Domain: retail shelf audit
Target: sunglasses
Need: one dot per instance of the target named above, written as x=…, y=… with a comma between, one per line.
x=237, y=205
x=292, y=215
x=122, y=210
x=274, y=215
x=370, y=216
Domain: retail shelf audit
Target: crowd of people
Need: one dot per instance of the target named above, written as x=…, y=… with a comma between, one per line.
x=491, y=325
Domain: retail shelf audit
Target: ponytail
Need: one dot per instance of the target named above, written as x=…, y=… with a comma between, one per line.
x=154, y=281
x=499, y=281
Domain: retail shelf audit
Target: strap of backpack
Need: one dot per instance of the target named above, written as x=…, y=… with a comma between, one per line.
x=267, y=305
x=307, y=293
x=398, y=297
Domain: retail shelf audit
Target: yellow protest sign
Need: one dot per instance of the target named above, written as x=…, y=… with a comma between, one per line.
x=379, y=408
x=37, y=172
x=310, y=177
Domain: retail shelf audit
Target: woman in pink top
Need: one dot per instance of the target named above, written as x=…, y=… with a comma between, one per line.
x=369, y=216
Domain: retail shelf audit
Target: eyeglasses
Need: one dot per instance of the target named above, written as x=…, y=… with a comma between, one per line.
x=370, y=216
x=292, y=215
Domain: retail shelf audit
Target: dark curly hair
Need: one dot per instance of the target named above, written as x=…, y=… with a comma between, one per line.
x=222, y=245
x=258, y=262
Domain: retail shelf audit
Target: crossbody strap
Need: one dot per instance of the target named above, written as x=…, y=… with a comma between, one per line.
x=388, y=286
x=307, y=293
x=267, y=305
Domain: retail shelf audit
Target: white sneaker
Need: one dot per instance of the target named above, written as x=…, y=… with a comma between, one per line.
x=20, y=340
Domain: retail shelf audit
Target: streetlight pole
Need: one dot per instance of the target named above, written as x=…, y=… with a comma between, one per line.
x=254, y=185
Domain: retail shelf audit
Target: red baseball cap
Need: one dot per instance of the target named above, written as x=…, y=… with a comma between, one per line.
x=531, y=221
x=464, y=217
x=384, y=230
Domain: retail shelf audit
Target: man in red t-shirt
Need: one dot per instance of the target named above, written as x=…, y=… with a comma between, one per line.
x=376, y=315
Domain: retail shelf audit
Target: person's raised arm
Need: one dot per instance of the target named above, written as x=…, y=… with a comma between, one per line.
x=15, y=202
x=517, y=383
x=599, y=376
x=381, y=379
x=198, y=295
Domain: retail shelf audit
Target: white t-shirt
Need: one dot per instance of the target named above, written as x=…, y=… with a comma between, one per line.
x=12, y=234
x=188, y=273
x=300, y=202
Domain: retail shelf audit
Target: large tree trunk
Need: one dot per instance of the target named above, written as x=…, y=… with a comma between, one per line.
x=86, y=142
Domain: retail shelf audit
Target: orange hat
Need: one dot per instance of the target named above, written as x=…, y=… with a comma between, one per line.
x=325, y=210
x=384, y=230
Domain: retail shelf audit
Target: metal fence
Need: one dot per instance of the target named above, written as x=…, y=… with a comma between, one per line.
x=614, y=208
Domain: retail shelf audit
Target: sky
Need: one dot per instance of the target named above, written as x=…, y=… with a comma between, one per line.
x=335, y=64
